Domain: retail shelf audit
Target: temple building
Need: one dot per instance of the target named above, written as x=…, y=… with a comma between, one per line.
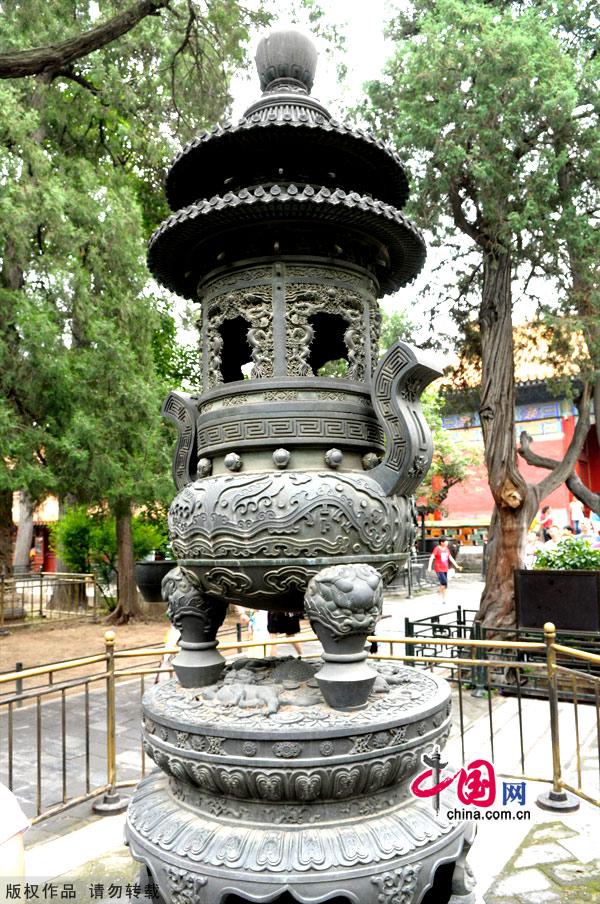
x=545, y=411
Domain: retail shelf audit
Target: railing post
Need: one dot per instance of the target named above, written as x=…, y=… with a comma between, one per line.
x=409, y=631
x=112, y=802
x=478, y=676
x=557, y=798
x=409, y=578
x=19, y=684
x=95, y=610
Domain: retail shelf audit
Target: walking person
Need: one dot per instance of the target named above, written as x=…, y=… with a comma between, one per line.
x=576, y=513
x=287, y=623
x=546, y=522
x=440, y=561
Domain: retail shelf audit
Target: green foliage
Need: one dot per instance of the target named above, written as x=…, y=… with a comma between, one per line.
x=395, y=326
x=336, y=368
x=179, y=366
x=71, y=537
x=155, y=517
x=88, y=541
x=496, y=106
x=570, y=553
x=86, y=348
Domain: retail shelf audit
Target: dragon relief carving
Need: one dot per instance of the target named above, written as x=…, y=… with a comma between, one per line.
x=256, y=308
x=302, y=302
x=375, y=333
x=282, y=514
x=409, y=690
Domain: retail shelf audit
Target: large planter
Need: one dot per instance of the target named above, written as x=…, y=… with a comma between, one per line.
x=569, y=599
x=148, y=577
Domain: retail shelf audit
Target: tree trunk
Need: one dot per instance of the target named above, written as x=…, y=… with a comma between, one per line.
x=6, y=532
x=506, y=551
x=128, y=606
x=24, y=533
x=516, y=502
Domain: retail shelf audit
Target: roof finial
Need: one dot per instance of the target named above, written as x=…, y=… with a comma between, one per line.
x=286, y=60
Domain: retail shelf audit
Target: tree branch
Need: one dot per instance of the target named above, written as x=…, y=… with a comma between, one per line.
x=560, y=471
x=20, y=63
x=458, y=215
x=574, y=482
x=566, y=466
x=73, y=76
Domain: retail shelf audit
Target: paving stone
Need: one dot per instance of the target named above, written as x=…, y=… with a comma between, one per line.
x=572, y=873
x=580, y=896
x=584, y=847
x=542, y=897
x=492, y=899
x=538, y=854
x=551, y=831
x=522, y=882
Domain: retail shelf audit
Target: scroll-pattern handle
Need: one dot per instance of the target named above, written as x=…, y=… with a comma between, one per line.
x=400, y=378
x=182, y=411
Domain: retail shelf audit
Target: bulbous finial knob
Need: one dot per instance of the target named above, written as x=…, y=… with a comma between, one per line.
x=286, y=59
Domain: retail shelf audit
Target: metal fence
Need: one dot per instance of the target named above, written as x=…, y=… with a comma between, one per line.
x=414, y=577
x=48, y=595
x=77, y=736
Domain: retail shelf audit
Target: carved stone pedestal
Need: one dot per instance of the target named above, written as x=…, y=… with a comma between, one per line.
x=267, y=794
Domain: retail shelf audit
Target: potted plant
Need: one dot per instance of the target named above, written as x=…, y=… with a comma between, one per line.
x=563, y=587
x=150, y=571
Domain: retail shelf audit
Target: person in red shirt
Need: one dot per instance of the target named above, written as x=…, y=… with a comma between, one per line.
x=546, y=522
x=440, y=560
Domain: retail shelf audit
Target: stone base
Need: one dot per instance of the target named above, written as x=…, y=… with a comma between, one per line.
x=385, y=857
x=266, y=794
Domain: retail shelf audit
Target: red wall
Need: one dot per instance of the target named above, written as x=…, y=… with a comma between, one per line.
x=473, y=500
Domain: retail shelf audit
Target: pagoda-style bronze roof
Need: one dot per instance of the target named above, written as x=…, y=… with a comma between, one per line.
x=200, y=237
x=286, y=141
x=288, y=179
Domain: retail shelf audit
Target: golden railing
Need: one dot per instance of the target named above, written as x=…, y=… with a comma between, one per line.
x=48, y=595
x=119, y=666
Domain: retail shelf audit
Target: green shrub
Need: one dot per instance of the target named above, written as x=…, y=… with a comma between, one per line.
x=71, y=538
x=569, y=554
x=88, y=541
x=156, y=518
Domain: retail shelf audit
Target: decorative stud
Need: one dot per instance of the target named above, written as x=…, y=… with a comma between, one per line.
x=281, y=458
x=370, y=460
x=334, y=458
x=204, y=467
x=233, y=461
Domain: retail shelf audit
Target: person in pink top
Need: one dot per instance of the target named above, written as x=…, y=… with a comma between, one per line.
x=440, y=560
